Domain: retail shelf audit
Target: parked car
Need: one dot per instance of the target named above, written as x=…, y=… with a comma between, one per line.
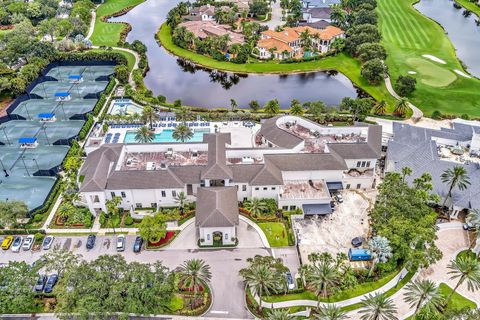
x=7, y=242
x=47, y=242
x=468, y=226
x=91, y=241
x=339, y=198
x=28, y=242
x=17, y=243
x=357, y=242
x=137, y=245
x=51, y=282
x=121, y=243
x=290, y=282
x=40, y=284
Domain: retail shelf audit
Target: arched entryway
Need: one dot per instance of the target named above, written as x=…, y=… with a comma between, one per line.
x=217, y=238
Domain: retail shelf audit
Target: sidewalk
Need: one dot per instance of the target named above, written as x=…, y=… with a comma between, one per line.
x=417, y=113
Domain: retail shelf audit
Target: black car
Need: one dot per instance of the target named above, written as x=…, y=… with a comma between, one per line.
x=137, y=246
x=91, y=241
x=40, y=284
x=357, y=242
x=51, y=282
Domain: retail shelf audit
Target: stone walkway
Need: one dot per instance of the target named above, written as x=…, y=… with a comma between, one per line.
x=417, y=113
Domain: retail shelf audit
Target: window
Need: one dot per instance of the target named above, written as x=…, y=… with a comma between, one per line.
x=226, y=236
x=153, y=204
x=112, y=194
x=358, y=164
x=265, y=188
x=257, y=188
x=348, y=186
x=273, y=188
x=138, y=205
x=245, y=199
x=202, y=183
x=96, y=199
x=123, y=194
x=285, y=208
x=293, y=208
x=174, y=193
x=244, y=187
x=359, y=185
x=164, y=194
x=364, y=163
x=368, y=164
x=208, y=236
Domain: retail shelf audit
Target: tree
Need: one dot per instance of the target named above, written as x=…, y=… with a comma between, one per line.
x=369, y=51
x=65, y=210
x=380, y=108
x=16, y=294
x=374, y=71
x=330, y=312
x=378, y=307
x=296, y=108
x=279, y=314
x=272, y=107
x=12, y=211
x=259, y=7
x=148, y=115
x=60, y=260
x=182, y=114
x=454, y=177
x=144, y=135
x=194, y=273
x=406, y=171
x=405, y=85
x=255, y=206
x=254, y=106
x=233, y=104
x=322, y=274
x=465, y=269
x=153, y=228
x=380, y=250
x=359, y=107
x=316, y=108
x=401, y=107
x=122, y=73
x=182, y=201
x=473, y=217
x=182, y=133
x=420, y=292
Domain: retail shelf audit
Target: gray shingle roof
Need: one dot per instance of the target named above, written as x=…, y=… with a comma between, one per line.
x=281, y=138
x=143, y=179
x=217, y=159
x=97, y=167
x=306, y=161
x=216, y=207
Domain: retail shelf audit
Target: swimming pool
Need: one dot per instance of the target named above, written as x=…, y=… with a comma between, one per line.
x=166, y=136
x=125, y=107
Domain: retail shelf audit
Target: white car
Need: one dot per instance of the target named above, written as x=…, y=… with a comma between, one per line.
x=47, y=242
x=121, y=243
x=16, y=244
x=28, y=242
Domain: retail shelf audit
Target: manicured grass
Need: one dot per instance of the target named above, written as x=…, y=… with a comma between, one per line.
x=407, y=35
x=108, y=34
x=470, y=6
x=458, y=301
x=341, y=62
x=130, y=57
x=275, y=232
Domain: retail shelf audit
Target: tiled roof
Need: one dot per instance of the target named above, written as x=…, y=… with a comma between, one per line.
x=271, y=43
x=216, y=207
x=330, y=32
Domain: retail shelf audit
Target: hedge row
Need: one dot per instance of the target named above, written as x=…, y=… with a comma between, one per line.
x=21, y=231
x=100, y=102
x=86, y=127
x=92, y=56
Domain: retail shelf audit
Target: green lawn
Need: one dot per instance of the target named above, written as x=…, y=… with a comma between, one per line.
x=341, y=62
x=470, y=6
x=407, y=35
x=130, y=57
x=276, y=233
x=108, y=34
x=458, y=301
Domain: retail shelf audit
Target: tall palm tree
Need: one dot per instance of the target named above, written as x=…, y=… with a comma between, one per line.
x=465, y=269
x=261, y=279
x=322, y=276
x=144, y=135
x=455, y=177
x=181, y=199
x=401, y=107
x=420, y=292
x=182, y=133
x=380, y=250
x=378, y=307
x=194, y=272
x=279, y=314
x=233, y=104
x=148, y=115
x=296, y=108
x=255, y=206
x=330, y=312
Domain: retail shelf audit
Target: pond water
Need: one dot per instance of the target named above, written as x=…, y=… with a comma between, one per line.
x=463, y=32
x=198, y=87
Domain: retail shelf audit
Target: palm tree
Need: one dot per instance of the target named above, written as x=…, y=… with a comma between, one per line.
x=261, y=279
x=401, y=107
x=254, y=106
x=182, y=133
x=182, y=114
x=193, y=273
x=233, y=104
x=378, y=307
x=380, y=250
x=331, y=312
x=473, y=217
x=406, y=171
x=65, y=211
x=148, y=115
x=467, y=269
x=322, y=276
x=420, y=292
x=279, y=314
x=272, y=107
x=255, y=206
x=296, y=108
x=455, y=177
x=181, y=199
x=144, y=135
x=380, y=108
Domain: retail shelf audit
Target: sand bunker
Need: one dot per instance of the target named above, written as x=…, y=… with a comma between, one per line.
x=412, y=72
x=433, y=58
x=463, y=74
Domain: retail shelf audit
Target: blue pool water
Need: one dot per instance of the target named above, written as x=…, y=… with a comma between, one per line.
x=166, y=136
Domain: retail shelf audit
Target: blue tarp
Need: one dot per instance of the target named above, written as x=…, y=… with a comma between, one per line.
x=46, y=115
x=62, y=94
x=27, y=140
x=317, y=208
x=75, y=77
x=359, y=255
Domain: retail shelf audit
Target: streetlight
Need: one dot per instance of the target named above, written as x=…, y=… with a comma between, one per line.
x=45, y=132
x=4, y=170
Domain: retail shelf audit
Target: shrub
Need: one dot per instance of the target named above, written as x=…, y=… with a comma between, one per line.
x=88, y=220
x=465, y=116
x=437, y=115
x=39, y=237
x=128, y=220
x=102, y=218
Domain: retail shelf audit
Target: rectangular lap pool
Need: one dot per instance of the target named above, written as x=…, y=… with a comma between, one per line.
x=166, y=136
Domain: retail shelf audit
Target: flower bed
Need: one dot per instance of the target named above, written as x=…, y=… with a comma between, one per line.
x=163, y=242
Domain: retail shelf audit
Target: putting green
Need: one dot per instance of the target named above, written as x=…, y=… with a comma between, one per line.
x=430, y=73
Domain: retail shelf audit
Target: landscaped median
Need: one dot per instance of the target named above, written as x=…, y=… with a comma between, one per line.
x=340, y=62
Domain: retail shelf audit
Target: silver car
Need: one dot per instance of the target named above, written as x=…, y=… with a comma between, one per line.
x=121, y=243
x=47, y=242
x=28, y=242
x=17, y=244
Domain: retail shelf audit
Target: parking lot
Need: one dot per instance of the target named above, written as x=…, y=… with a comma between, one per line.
x=333, y=233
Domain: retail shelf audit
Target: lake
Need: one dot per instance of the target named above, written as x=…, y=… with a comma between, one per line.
x=175, y=79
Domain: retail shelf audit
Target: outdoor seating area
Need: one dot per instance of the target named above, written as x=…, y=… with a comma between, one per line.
x=311, y=189
x=159, y=160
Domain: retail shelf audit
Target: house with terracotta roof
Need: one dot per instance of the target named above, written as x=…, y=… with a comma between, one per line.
x=288, y=43
x=204, y=29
